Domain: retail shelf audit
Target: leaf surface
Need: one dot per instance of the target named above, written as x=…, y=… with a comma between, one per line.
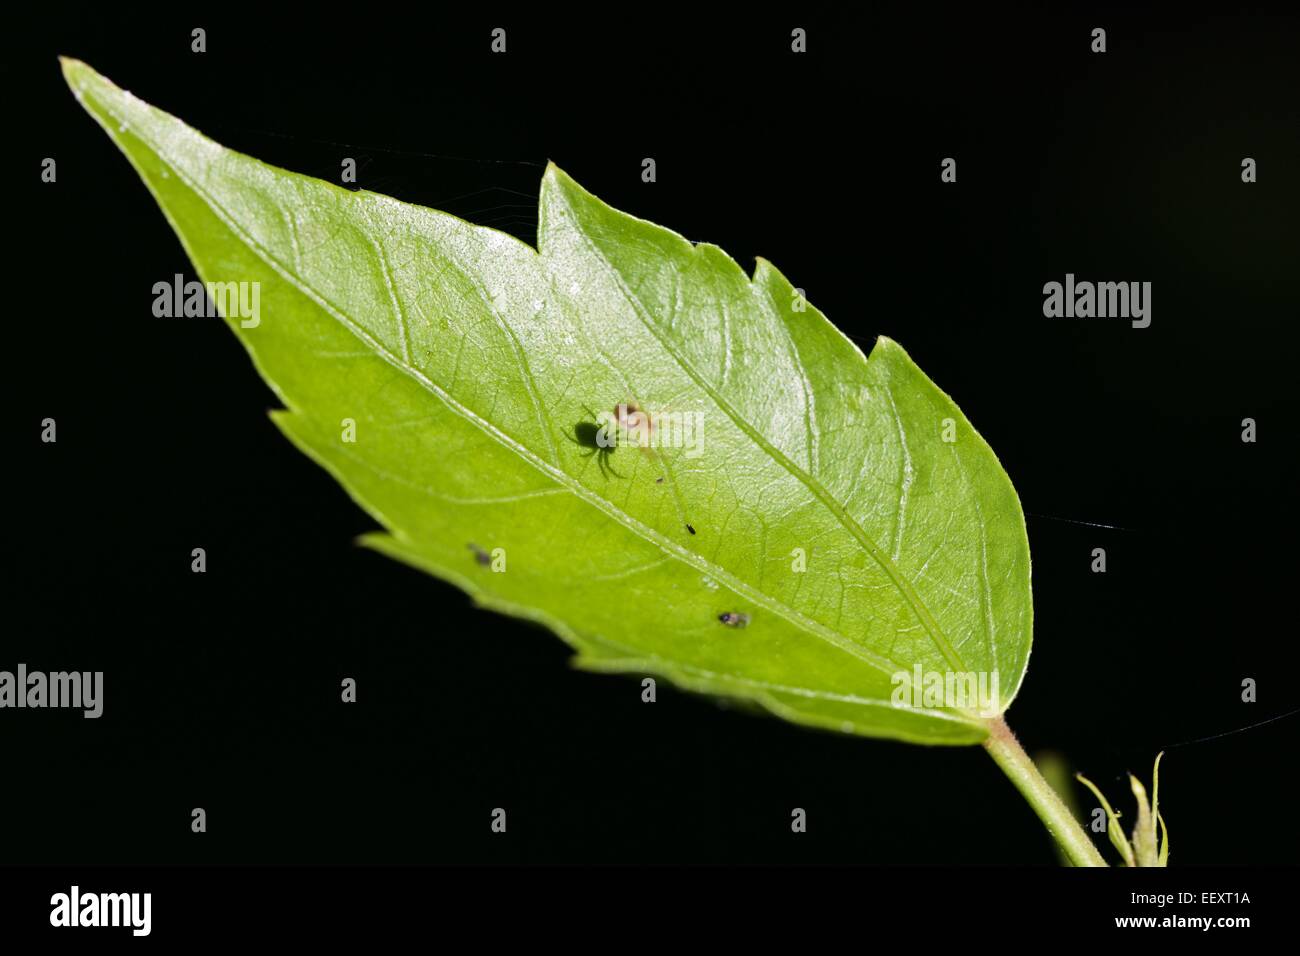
x=469, y=362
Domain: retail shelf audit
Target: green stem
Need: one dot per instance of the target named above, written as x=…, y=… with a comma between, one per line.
x=1015, y=763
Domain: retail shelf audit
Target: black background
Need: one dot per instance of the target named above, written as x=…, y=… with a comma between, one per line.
x=222, y=689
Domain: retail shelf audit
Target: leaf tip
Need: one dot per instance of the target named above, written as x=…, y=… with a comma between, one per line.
x=71, y=67
x=554, y=174
x=369, y=539
x=81, y=77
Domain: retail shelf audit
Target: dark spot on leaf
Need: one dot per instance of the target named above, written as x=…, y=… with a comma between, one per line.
x=481, y=556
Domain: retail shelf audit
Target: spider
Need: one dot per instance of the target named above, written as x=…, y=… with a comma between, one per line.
x=599, y=441
x=602, y=439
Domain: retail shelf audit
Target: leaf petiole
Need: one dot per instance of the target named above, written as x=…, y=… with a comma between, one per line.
x=1051, y=809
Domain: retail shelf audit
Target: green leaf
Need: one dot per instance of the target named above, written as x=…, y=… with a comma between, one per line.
x=1163, y=857
x=1145, y=844
x=470, y=362
x=1113, y=829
